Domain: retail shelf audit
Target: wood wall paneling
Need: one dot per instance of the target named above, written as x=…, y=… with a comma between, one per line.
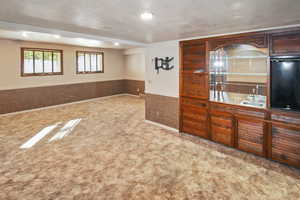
x=36, y=97
x=162, y=109
x=134, y=87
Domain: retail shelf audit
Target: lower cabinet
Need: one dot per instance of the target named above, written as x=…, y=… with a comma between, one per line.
x=274, y=136
x=194, y=117
x=286, y=145
x=221, y=127
x=250, y=136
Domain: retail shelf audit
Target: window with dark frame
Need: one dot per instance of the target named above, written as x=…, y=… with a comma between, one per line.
x=41, y=62
x=89, y=62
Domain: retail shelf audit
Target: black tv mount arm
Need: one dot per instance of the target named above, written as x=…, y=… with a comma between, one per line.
x=163, y=63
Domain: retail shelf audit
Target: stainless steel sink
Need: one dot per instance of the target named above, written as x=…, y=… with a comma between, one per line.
x=251, y=103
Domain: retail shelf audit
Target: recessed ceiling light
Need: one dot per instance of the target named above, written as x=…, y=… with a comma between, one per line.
x=116, y=43
x=146, y=16
x=24, y=34
x=56, y=36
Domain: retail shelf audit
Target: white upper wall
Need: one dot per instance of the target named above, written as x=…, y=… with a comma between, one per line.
x=135, y=64
x=10, y=66
x=165, y=82
x=135, y=67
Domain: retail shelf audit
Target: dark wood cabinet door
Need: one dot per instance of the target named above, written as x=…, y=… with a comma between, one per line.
x=286, y=144
x=285, y=43
x=194, y=85
x=222, y=127
x=194, y=73
x=194, y=117
x=193, y=56
x=250, y=136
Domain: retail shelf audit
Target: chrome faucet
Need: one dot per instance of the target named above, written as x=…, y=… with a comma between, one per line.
x=252, y=95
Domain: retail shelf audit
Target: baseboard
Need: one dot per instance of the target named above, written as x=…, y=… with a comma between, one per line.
x=132, y=95
x=162, y=126
x=71, y=103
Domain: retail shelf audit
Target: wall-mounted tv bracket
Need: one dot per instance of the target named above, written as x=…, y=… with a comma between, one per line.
x=163, y=63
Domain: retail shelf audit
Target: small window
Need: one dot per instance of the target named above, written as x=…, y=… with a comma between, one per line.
x=89, y=62
x=41, y=62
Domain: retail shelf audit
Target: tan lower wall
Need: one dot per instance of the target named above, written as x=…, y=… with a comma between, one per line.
x=36, y=97
x=163, y=110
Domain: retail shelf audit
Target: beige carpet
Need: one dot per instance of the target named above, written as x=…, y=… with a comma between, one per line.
x=113, y=154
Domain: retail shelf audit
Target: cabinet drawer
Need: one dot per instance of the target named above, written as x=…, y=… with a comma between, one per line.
x=221, y=121
x=238, y=110
x=222, y=135
x=193, y=114
x=199, y=125
x=195, y=128
x=286, y=117
x=200, y=104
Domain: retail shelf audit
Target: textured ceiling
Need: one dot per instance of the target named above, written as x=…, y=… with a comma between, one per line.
x=174, y=19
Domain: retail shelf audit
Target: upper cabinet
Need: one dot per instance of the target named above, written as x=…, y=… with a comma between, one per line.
x=284, y=44
x=258, y=40
x=193, y=56
x=194, y=71
x=239, y=74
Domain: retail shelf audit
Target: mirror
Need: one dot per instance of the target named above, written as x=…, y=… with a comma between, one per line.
x=238, y=75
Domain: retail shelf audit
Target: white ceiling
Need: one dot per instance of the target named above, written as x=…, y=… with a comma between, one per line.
x=173, y=19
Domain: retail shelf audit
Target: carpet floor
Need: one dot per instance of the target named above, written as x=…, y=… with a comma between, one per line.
x=103, y=149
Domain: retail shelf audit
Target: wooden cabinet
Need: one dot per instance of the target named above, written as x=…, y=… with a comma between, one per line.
x=255, y=39
x=285, y=137
x=250, y=135
x=286, y=144
x=237, y=126
x=194, y=117
x=194, y=75
x=287, y=43
x=222, y=127
x=193, y=56
x=194, y=85
x=231, y=119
